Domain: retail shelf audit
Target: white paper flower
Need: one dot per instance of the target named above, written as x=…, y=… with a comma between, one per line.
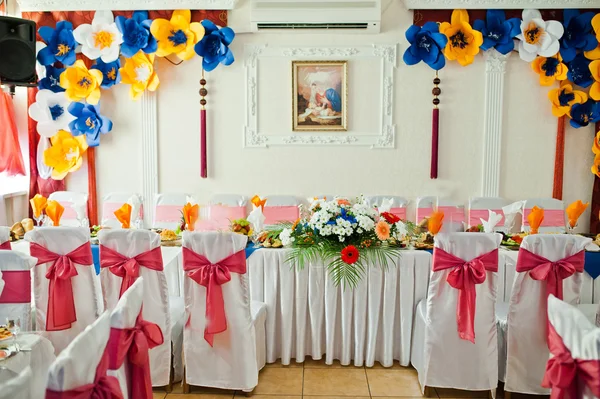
x=50, y=111
x=39, y=68
x=44, y=171
x=102, y=39
x=538, y=37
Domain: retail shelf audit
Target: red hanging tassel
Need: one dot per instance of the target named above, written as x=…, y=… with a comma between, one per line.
x=559, y=159
x=203, y=157
x=435, y=126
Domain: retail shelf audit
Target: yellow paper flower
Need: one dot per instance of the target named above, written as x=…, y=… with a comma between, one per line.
x=550, y=69
x=595, y=53
x=463, y=40
x=563, y=98
x=139, y=72
x=81, y=83
x=65, y=154
x=177, y=36
x=596, y=166
x=595, y=88
x=596, y=145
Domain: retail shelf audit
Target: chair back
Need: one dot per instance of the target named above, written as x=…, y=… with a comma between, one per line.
x=554, y=215
x=454, y=213
x=223, y=209
x=68, y=199
x=398, y=206
x=5, y=237
x=479, y=207
x=281, y=208
x=16, y=385
x=167, y=210
x=113, y=201
x=15, y=299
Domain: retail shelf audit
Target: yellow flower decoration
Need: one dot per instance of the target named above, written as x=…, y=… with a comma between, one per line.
x=596, y=166
x=139, y=72
x=596, y=145
x=81, y=83
x=595, y=53
x=563, y=98
x=463, y=40
x=66, y=153
x=550, y=69
x=595, y=88
x=177, y=36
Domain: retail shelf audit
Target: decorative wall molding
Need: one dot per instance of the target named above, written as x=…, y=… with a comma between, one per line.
x=499, y=4
x=383, y=136
x=495, y=66
x=93, y=5
x=149, y=154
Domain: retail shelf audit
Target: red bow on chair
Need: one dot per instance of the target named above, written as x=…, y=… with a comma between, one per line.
x=464, y=276
x=212, y=276
x=61, y=305
x=5, y=246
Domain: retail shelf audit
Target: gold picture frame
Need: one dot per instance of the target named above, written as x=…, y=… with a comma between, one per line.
x=319, y=96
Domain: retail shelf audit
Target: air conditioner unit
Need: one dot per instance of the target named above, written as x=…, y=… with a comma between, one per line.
x=308, y=15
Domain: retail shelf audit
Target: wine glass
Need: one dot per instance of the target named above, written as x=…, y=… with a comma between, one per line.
x=14, y=326
x=39, y=219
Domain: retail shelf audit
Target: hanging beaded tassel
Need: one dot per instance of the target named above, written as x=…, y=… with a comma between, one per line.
x=435, y=127
x=203, y=161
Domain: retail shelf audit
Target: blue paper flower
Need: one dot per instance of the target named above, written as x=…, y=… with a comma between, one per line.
x=584, y=114
x=214, y=46
x=578, y=34
x=136, y=34
x=426, y=45
x=61, y=44
x=110, y=72
x=579, y=71
x=89, y=122
x=497, y=32
x=52, y=79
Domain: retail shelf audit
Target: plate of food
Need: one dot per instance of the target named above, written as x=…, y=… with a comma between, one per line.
x=5, y=333
x=512, y=241
x=169, y=238
x=5, y=353
x=424, y=241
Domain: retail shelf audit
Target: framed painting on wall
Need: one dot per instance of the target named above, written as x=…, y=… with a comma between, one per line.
x=319, y=95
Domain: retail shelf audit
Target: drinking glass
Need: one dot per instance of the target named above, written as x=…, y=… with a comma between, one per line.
x=14, y=326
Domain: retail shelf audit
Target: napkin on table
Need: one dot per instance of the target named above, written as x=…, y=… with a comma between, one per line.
x=535, y=219
x=493, y=220
x=256, y=217
x=190, y=215
x=510, y=212
x=574, y=211
x=123, y=215
x=435, y=222
x=38, y=204
x=135, y=203
x=54, y=210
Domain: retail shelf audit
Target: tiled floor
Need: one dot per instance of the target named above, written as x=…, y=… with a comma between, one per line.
x=316, y=380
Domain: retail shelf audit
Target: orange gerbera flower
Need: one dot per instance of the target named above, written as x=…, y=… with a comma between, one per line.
x=382, y=229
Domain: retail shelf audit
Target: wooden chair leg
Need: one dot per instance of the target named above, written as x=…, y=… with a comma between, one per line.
x=428, y=392
x=186, y=387
x=507, y=395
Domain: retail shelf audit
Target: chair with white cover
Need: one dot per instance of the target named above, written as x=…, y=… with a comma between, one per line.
x=398, y=204
x=113, y=201
x=456, y=324
x=16, y=385
x=68, y=296
x=591, y=312
x=81, y=369
x=454, y=213
x=224, y=208
x=5, y=237
x=126, y=255
x=479, y=208
x=554, y=215
x=69, y=199
x=574, y=369
x=281, y=208
x=546, y=264
x=167, y=210
x=223, y=340
x=15, y=299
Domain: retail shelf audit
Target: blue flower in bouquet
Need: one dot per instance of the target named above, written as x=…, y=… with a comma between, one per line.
x=497, y=32
x=110, y=72
x=214, y=46
x=136, y=34
x=89, y=122
x=61, y=44
x=579, y=71
x=347, y=216
x=578, y=34
x=426, y=44
x=584, y=114
x=52, y=79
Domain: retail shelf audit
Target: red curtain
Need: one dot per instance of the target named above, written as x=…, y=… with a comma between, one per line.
x=11, y=157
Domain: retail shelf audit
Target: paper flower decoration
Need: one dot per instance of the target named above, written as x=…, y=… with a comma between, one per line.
x=596, y=166
x=595, y=53
x=100, y=39
x=497, y=32
x=61, y=44
x=595, y=89
x=52, y=80
x=50, y=112
x=596, y=145
x=463, y=41
x=40, y=69
x=426, y=44
x=178, y=35
x=538, y=37
x=136, y=34
x=574, y=211
x=579, y=71
x=578, y=34
x=89, y=123
x=65, y=155
x=563, y=98
x=550, y=69
x=110, y=72
x=81, y=84
x=583, y=114
x=214, y=46
x=140, y=74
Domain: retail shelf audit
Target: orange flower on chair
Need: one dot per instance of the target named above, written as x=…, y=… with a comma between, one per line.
x=574, y=211
x=535, y=219
x=435, y=222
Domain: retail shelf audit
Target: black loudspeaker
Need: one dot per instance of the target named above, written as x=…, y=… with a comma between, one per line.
x=17, y=51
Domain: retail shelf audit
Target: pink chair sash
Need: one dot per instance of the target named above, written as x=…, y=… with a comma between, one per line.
x=552, y=218
x=61, y=304
x=275, y=214
x=5, y=246
x=423, y=213
x=17, y=286
x=476, y=214
x=399, y=211
x=129, y=268
x=103, y=387
x=168, y=213
x=212, y=276
x=563, y=373
x=135, y=343
x=221, y=215
x=452, y=214
x=463, y=277
x=69, y=212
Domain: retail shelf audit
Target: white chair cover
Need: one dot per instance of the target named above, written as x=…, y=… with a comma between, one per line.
x=554, y=215
x=4, y=234
x=454, y=213
x=167, y=210
x=113, y=201
x=479, y=206
x=87, y=292
x=222, y=209
x=19, y=386
x=157, y=303
x=591, y=312
x=525, y=325
x=580, y=336
x=437, y=348
x=13, y=261
x=68, y=199
x=231, y=363
x=228, y=200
